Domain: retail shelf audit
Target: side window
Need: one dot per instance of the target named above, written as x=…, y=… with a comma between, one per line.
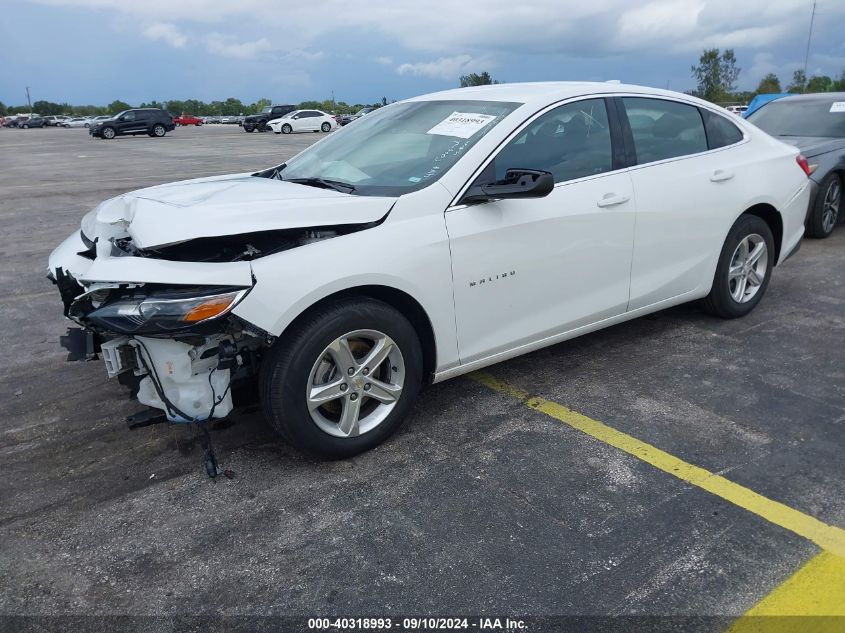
x=664, y=129
x=720, y=131
x=572, y=141
x=128, y=116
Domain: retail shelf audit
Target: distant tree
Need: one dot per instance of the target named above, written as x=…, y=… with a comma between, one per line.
x=474, y=79
x=716, y=74
x=384, y=101
x=232, y=107
x=3, y=109
x=819, y=84
x=47, y=108
x=259, y=105
x=117, y=106
x=799, y=82
x=839, y=84
x=770, y=84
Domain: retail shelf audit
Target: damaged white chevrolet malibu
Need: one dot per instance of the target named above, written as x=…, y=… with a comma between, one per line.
x=433, y=237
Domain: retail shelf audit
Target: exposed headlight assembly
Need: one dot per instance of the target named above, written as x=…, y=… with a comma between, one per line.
x=166, y=311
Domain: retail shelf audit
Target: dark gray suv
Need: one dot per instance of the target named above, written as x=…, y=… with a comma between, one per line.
x=149, y=121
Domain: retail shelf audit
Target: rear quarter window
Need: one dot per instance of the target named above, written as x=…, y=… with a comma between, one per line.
x=720, y=131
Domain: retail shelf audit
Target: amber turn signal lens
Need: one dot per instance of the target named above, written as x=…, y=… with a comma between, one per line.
x=208, y=309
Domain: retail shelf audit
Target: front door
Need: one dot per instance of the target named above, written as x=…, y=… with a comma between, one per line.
x=528, y=269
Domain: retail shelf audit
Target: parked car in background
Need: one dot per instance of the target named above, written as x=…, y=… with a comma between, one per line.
x=54, y=120
x=259, y=121
x=187, y=119
x=348, y=118
x=208, y=120
x=815, y=124
x=11, y=122
x=77, y=122
x=35, y=121
x=760, y=100
x=150, y=121
x=303, y=121
x=736, y=109
x=421, y=243
x=101, y=118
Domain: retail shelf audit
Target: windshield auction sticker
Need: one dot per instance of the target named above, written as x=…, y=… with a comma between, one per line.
x=836, y=106
x=461, y=124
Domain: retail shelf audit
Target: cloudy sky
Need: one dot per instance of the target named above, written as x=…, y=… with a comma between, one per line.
x=94, y=51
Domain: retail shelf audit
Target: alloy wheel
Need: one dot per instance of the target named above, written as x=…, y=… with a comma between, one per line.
x=355, y=383
x=749, y=265
x=830, y=206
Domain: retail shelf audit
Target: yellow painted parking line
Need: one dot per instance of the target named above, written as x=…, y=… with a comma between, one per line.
x=816, y=593
x=827, y=537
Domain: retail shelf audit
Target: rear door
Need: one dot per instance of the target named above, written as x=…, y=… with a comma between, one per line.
x=687, y=196
x=528, y=269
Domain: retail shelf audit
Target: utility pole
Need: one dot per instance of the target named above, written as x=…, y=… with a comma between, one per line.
x=28, y=99
x=809, y=37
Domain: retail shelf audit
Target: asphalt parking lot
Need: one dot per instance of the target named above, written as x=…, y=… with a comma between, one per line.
x=483, y=504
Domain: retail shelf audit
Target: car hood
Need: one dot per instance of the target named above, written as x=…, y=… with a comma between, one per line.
x=814, y=145
x=226, y=205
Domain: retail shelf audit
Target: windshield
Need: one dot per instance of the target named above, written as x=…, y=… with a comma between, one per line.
x=266, y=109
x=801, y=118
x=399, y=148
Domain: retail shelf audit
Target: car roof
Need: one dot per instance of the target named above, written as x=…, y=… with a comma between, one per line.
x=816, y=97
x=549, y=91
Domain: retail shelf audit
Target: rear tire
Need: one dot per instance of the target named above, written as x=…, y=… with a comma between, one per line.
x=304, y=360
x=326, y=127
x=159, y=130
x=744, y=269
x=825, y=213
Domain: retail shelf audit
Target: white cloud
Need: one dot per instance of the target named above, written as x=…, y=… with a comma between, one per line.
x=166, y=32
x=228, y=46
x=444, y=68
x=446, y=30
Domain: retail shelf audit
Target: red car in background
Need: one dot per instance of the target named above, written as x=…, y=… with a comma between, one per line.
x=187, y=119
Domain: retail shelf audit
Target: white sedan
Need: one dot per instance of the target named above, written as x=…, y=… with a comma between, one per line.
x=303, y=121
x=77, y=122
x=434, y=237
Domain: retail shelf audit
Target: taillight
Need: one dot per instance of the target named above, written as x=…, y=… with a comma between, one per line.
x=802, y=163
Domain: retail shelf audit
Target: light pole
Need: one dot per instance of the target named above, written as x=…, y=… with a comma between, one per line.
x=28, y=101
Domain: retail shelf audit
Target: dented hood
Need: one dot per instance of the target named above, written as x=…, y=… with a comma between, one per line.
x=227, y=205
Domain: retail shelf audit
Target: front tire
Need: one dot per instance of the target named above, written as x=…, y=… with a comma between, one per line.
x=826, y=208
x=287, y=129
x=343, y=379
x=744, y=269
x=108, y=133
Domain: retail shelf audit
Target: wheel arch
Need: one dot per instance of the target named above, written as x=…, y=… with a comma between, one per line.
x=771, y=216
x=398, y=299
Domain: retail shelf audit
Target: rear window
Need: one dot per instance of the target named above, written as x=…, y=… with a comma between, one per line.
x=802, y=118
x=664, y=129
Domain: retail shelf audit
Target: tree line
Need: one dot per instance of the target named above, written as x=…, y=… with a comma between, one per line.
x=717, y=72
x=229, y=107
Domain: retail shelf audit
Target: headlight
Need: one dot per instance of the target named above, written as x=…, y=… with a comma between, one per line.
x=167, y=310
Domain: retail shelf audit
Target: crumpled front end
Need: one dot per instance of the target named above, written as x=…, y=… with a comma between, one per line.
x=163, y=328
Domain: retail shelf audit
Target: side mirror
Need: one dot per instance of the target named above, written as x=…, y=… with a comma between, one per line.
x=517, y=183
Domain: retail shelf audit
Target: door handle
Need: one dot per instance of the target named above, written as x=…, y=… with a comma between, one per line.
x=612, y=199
x=720, y=174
